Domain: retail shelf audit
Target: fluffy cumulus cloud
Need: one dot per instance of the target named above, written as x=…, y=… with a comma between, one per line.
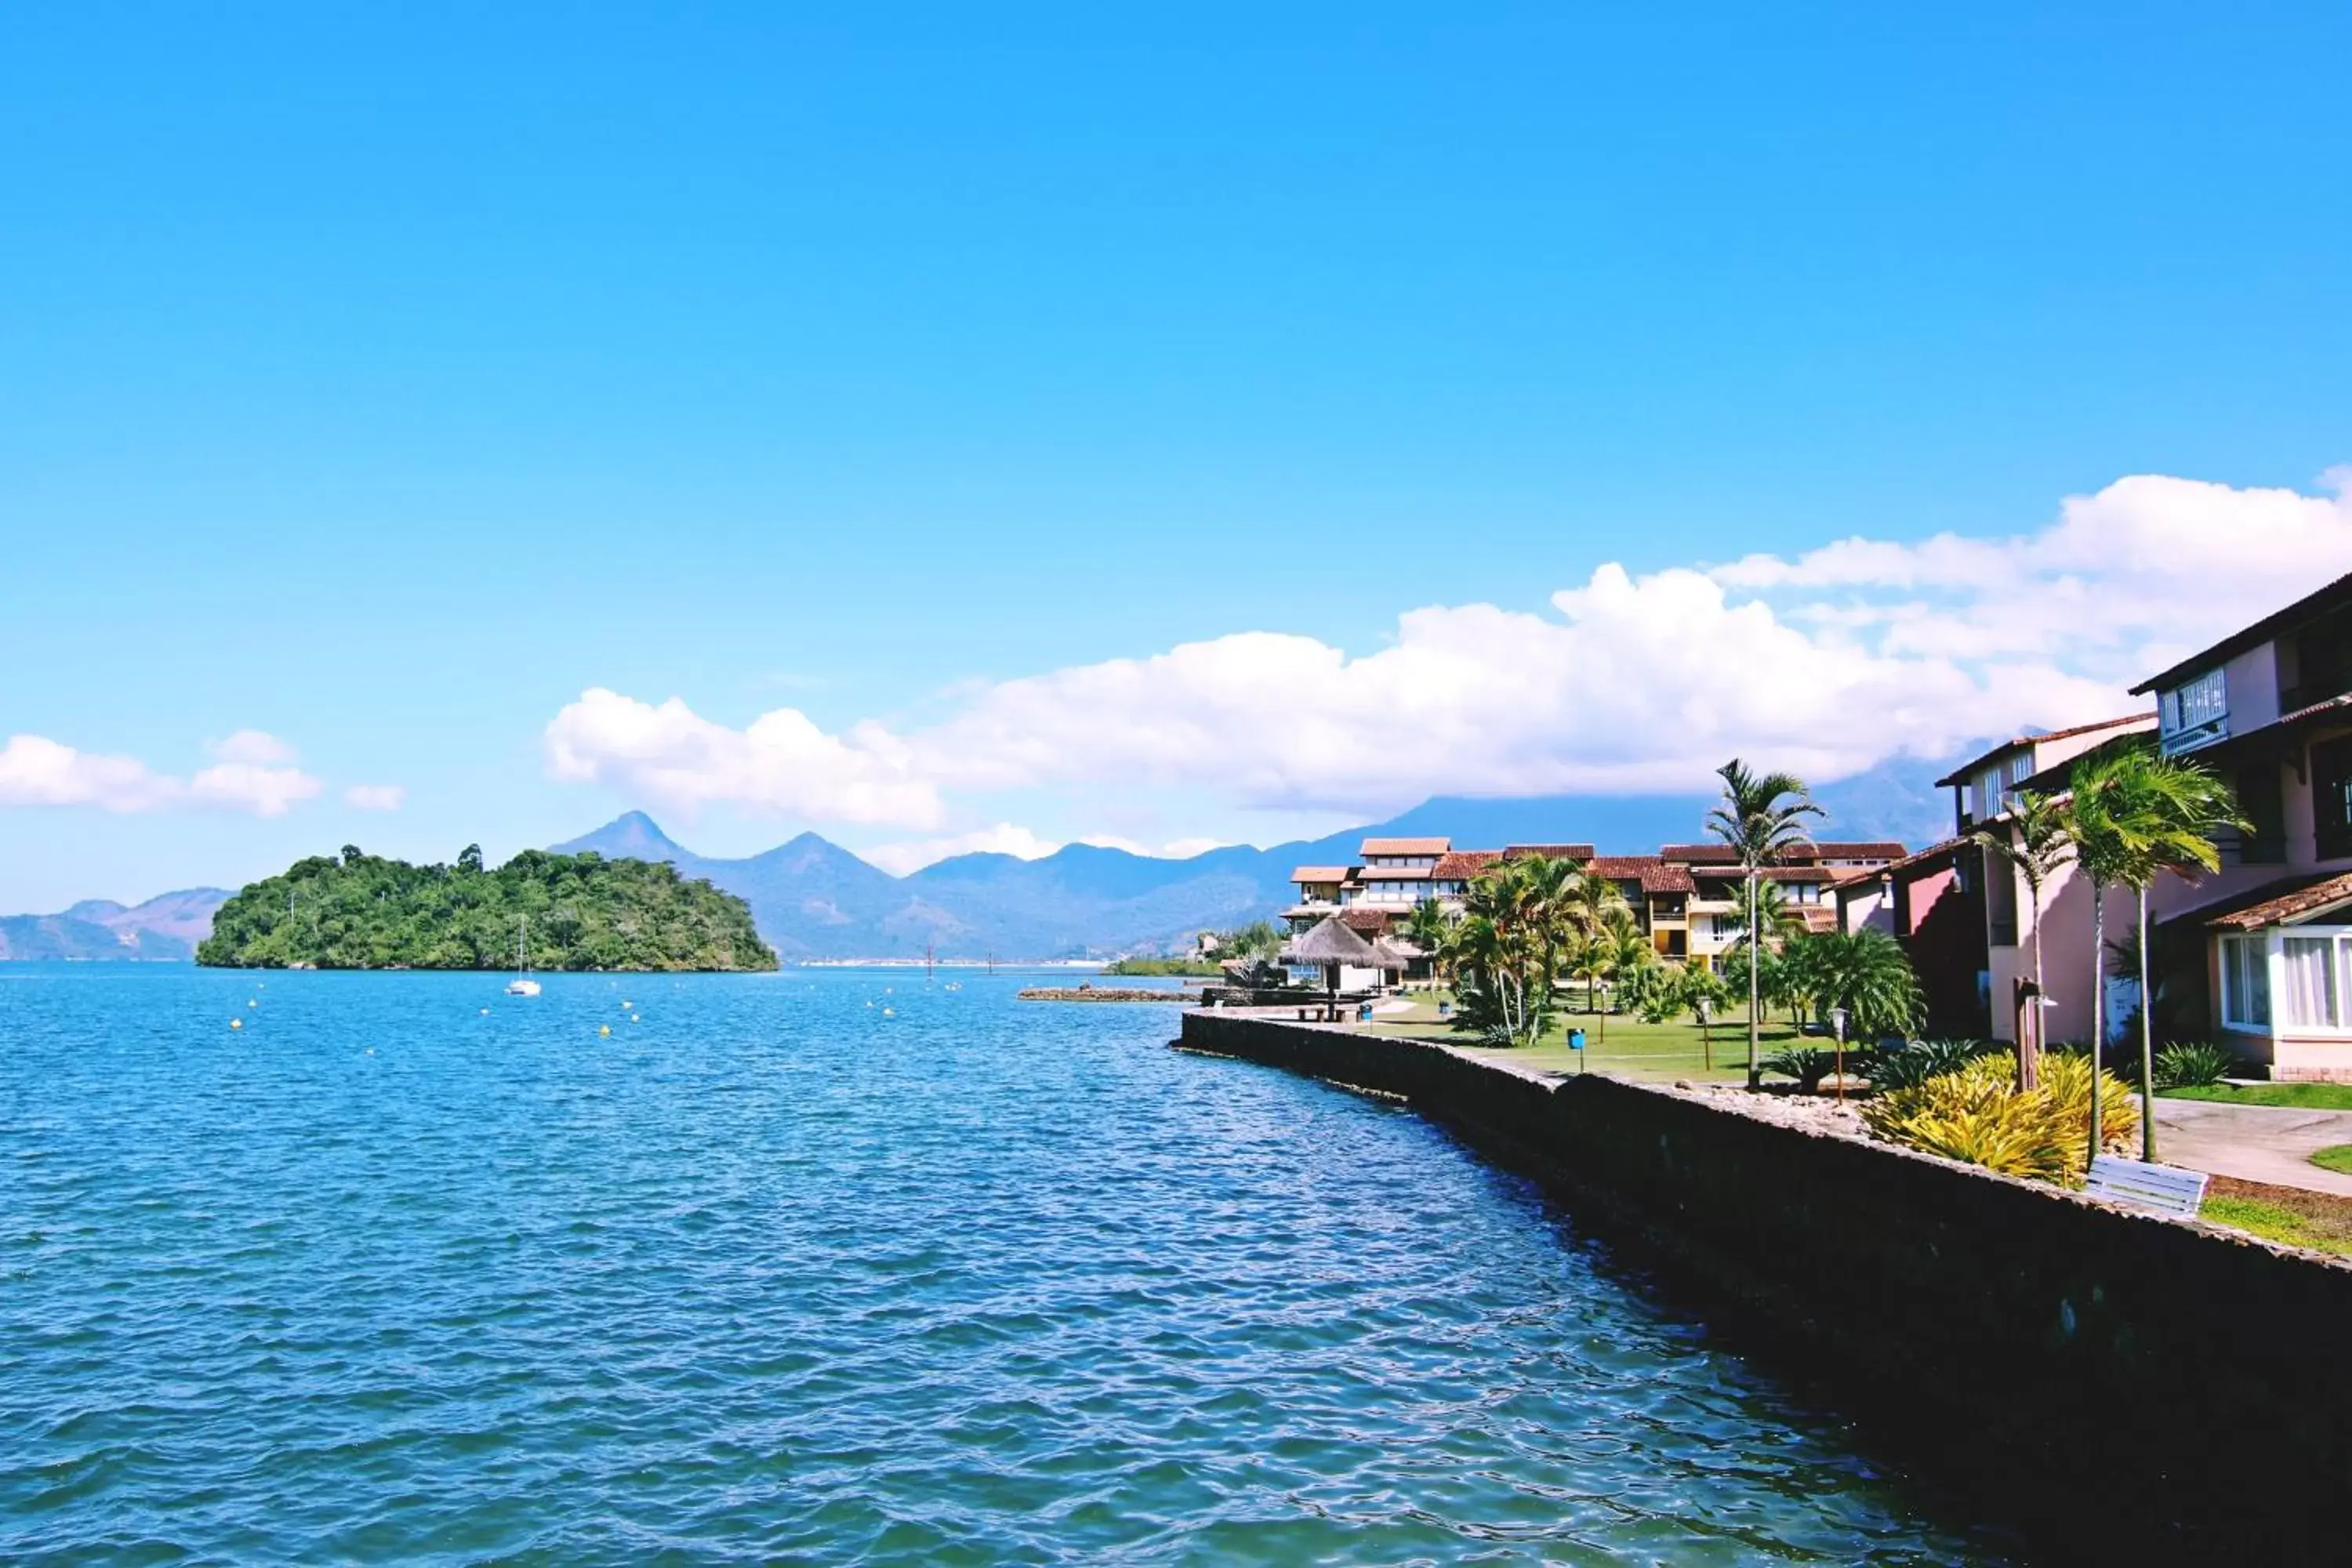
x=375, y=797
x=670, y=756
x=252, y=774
x=1824, y=663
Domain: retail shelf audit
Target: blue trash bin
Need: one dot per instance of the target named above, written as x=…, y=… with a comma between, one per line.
x=1576, y=1039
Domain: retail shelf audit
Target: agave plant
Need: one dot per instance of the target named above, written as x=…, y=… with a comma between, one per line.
x=2191, y=1065
x=1809, y=1064
x=1916, y=1062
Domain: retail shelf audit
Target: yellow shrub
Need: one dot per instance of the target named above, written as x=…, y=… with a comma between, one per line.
x=1977, y=1115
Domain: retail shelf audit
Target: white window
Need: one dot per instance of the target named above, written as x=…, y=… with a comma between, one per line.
x=2246, y=981
x=2194, y=713
x=2310, y=995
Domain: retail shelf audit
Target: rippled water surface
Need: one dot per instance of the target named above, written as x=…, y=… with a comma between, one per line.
x=770, y=1273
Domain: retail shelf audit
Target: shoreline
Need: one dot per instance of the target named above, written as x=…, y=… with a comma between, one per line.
x=2020, y=1346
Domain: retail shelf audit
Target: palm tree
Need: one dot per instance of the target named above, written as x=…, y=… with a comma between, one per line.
x=1779, y=919
x=2136, y=817
x=2037, y=839
x=1762, y=816
x=1427, y=928
x=1868, y=976
x=1589, y=905
x=1629, y=950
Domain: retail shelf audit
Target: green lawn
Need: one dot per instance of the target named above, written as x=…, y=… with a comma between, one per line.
x=2316, y=1220
x=2336, y=1157
x=2299, y=1096
x=1615, y=1044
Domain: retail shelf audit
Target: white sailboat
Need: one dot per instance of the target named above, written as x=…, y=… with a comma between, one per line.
x=522, y=985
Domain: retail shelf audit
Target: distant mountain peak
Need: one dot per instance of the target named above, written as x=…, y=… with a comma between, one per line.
x=632, y=836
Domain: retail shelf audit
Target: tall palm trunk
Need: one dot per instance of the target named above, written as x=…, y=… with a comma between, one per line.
x=2098, y=1000
x=2147, y=1042
x=1755, y=1062
x=2029, y=1043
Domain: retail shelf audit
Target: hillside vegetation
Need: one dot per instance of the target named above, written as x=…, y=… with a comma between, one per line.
x=362, y=911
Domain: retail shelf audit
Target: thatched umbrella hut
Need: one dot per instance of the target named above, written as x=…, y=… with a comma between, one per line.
x=1332, y=943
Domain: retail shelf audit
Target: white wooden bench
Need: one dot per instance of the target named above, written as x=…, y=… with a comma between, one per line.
x=2167, y=1189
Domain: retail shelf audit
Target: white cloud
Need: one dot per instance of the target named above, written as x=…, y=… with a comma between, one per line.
x=38, y=771
x=670, y=756
x=256, y=747
x=1823, y=664
x=375, y=797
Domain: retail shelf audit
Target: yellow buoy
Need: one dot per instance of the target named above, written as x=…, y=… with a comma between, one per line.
x=237, y=1023
x=604, y=1028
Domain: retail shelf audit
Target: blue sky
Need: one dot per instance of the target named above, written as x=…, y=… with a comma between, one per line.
x=382, y=382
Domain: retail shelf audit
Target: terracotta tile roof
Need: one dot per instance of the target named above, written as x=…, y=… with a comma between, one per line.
x=1406, y=846
x=1461, y=865
x=1963, y=773
x=1780, y=873
x=2282, y=902
x=1373, y=921
x=1655, y=873
x=1807, y=854
x=1550, y=851
x=1933, y=853
x=1333, y=874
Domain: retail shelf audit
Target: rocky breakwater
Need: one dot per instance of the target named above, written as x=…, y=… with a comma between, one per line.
x=2026, y=1345
x=1102, y=994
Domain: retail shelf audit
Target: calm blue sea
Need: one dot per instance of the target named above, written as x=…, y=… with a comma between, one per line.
x=825, y=1265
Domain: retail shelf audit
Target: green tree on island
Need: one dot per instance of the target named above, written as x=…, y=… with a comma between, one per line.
x=362, y=911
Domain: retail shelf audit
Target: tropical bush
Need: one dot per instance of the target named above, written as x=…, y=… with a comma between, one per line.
x=1913, y=1063
x=1867, y=974
x=2191, y=1064
x=1806, y=1064
x=1979, y=1115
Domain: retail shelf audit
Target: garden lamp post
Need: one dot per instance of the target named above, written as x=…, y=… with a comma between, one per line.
x=1604, y=1013
x=1837, y=1022
x=1707, y=1040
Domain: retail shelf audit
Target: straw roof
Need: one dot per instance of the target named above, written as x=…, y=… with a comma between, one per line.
x=1330, y=942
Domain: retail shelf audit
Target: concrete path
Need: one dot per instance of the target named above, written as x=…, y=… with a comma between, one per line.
x=2253, y=1142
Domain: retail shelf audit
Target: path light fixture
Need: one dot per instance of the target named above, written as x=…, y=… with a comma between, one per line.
x=1837, y=1022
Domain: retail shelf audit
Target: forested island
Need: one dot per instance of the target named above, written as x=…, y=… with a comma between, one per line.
x=582, y=911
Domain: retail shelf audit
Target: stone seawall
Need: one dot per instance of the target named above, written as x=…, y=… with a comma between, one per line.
x=2127, y=1386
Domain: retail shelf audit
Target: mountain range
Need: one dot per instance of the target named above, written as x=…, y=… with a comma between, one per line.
x=164, y=929
x=812, y=898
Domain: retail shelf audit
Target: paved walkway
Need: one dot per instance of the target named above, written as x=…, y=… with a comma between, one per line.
x=2253, y=1142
